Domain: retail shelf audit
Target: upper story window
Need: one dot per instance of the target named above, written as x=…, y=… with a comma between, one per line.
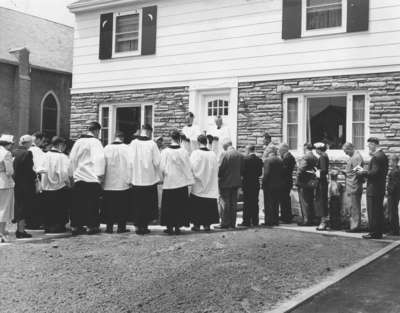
x=302, y=18
x=323, y=17
x=130, y=33
x=127, y=33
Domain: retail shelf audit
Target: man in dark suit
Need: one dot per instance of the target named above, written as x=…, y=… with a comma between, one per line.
x=25, y=185
x=376, y=186
x=289, y=163
x=229, y=180
x=305, y=178
x=273, y=186
x=252, y=170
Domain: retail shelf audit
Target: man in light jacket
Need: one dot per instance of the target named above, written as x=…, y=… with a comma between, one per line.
x=87, y=167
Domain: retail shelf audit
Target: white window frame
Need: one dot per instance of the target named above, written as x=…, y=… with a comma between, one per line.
x=302, y=118
x=322, y=31
x=112, y=121
x=127, y=53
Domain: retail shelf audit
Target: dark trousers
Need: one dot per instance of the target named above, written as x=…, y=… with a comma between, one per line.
x=393, y=208
x=272, y=198
x=55, y=205
x=334, y=212
x=251, y=208
x=375, y=214
x=228, y=206
x=35, y=219
x=286, y=205
x=306, y=198
x=86, y=208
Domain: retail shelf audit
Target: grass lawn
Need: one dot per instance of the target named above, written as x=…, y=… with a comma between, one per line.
x=242, y=271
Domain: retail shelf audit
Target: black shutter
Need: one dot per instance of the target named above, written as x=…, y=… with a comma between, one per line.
x=149, y=30
x=357, y=15
x=106, y=35
x=291, y=19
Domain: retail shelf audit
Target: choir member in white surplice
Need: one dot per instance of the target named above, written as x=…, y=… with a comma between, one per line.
x=116, y=185
x=219, y=133
x=177, y=177
x=55, y=184
x=145, y=177
x=204, y=195
x=87, y=166
x=190, y=133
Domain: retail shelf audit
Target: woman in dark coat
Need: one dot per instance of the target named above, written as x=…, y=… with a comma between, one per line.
x=321, y=199
x=25, y=184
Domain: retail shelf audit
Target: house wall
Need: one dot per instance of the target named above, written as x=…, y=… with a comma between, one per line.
x=207, y=39
x=7, y=108
x=41, y=83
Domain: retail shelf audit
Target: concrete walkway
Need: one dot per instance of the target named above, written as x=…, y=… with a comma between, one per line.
x=374, y=288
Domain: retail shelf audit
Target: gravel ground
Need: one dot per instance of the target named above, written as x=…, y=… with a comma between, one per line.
x=242, y=271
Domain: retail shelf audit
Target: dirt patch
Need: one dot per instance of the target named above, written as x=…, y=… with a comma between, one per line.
x=243, y=271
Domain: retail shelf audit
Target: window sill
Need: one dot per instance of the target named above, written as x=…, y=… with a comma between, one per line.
x=119, y=55
x=323, y=32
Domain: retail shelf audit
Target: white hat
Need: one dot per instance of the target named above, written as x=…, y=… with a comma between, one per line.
x=7, y=138
x=319, y=145
x=25, y=138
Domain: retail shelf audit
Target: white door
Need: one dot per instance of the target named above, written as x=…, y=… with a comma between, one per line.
x=216, y=105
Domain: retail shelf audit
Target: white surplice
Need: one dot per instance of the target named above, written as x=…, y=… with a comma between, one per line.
x=118, y=174
x=38, y=158
x=146, y=162
x=223, y=134
x=87, y=160
x=175, y=168
x=191, y=133
x=56, y=171
x=205, y=171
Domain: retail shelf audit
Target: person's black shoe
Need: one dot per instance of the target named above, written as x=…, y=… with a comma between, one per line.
x=168, y=231
x=356, y=230
x=123, y=230
x=221, y=227
x=177, y=231
x=370, y=236
x=22, y=235
x=207, y=228
x=244, y=225
x=78, y=231
x=195, y=228
x=304, y=224
x=93, y=231
x=110, y=229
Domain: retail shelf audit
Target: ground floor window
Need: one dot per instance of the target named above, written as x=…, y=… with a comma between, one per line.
x=125, y=118
x=329, y=118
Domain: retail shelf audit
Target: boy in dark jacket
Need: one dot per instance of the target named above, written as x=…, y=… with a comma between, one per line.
x=393, y=193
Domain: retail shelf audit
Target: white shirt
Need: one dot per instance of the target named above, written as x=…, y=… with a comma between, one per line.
x=222, y=133
x=87, y=160
x=6, y=169
x=146, y=162
x=56, y=168
x=118, y=174
x=38, y=158
x=175, y=168
x=205, y=171
x=191, y=133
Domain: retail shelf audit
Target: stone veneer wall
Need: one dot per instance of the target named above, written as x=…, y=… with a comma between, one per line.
x=260, y=105
x=170, y=106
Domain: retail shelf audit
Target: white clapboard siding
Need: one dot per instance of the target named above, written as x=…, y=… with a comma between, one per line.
x=208, y=39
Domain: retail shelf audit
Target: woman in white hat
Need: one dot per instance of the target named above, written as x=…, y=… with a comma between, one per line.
x=6, y=185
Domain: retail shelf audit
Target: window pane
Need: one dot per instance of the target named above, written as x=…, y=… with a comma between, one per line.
x=359, y=135
x=148, y=115
x=105, y=115
x=292, y=136
x=327, y=120
x=358, y=108
x=292, y=110
x=49, y=117
x=324, y=14
x=127, y=33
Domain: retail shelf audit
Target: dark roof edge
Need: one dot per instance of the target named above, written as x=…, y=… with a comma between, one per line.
x=37, y=67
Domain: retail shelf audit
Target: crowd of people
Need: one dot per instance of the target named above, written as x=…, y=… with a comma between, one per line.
x=199, y=176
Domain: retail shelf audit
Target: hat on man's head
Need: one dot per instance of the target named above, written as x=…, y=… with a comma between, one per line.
x=25, y=138
x=373, y=140
x=319, y=145
x=7, y=138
